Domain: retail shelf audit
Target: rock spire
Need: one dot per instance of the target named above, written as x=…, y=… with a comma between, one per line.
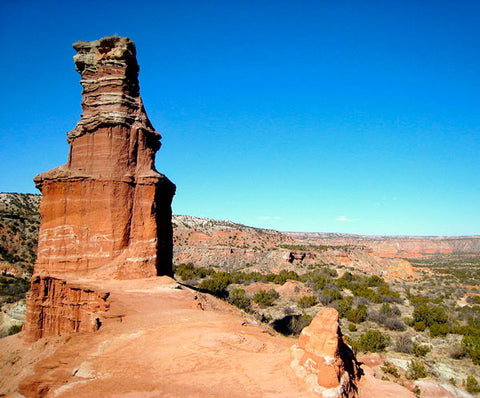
x=107, y=211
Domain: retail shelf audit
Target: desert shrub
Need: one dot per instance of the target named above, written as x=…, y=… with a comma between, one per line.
x=216, y=284
x=364, y=291
x=374, y=280
x=388, y=295
x=307, y=301
x=394, y=324
x=457, y=352
x=283, y=275
x=419, y=326
x=387, y=316
x=345, y=281
x=329, y=295
x=317, y=279
x=390, y=368
x=439, y=329
x=373, y=341
x=14, y=329
x=429, y=314
x=473, y=299
x=420, y=350
x=239, y=299
x=389, y=310
x=417, y=391
x=472, y=385
x=418, y=300
x=404, y=344
x=358, y=301
x=376, y=316
x=297, y=324
x=189, y=271
x=471, y=345
x=265, y=298
x=357, y=315
x=352, y=327
x=342, y=306
x=416, y=370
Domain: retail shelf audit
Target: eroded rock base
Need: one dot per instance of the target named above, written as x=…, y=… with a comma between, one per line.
x=57, y=307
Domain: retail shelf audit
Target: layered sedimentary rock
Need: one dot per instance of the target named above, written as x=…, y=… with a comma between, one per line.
x=324, y=360
x=107, y=211
x=56, y=307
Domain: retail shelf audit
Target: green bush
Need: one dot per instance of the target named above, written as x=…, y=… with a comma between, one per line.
x=375, y=280
x=239, y=299
x=439, y=329
x=283, y=275
x=329, y=295
x=342, y=306
x=472, y=385
x=297, y=324
x=419, y=326
x=216, y=284
x=471, y=344
x=14, y=329
x=265, y=298
x=357, y=315
x=416, y=370
x=307, y=301
x=417, y=391
x=420, y=350
x=373, y=341
x=359, y=290
x=189, y=271
x=429, y=314
x=388, y=295
x=390, y=368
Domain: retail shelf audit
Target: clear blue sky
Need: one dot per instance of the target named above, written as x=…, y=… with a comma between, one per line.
x=333, y=116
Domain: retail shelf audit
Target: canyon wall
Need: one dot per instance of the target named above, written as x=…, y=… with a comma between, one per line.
x=396, y=246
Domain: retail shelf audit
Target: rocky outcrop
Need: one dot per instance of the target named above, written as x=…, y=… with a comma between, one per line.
x=324, y=360
x=107, y=211
x=56, y=307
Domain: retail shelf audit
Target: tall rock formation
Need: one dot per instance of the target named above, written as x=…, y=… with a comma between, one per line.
x=107, y=212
